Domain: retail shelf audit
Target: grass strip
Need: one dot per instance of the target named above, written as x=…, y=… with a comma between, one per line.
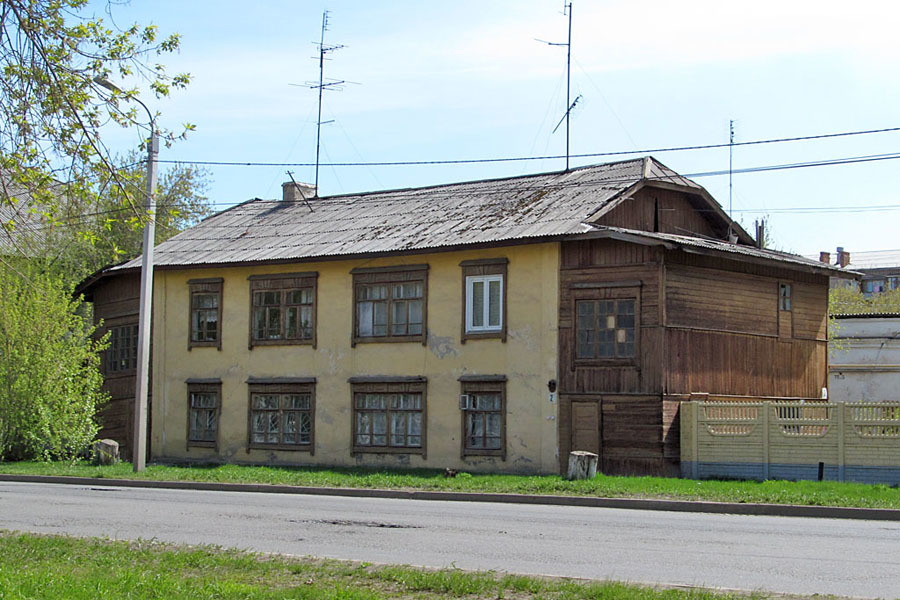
x=804, y=493
x=36, y=566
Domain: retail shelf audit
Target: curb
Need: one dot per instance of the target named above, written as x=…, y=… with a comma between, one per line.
x=687, y=506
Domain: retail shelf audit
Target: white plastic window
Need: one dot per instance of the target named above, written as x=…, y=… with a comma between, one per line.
x=484, y=303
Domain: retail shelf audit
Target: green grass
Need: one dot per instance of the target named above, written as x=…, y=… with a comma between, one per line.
x=34, y=566
x=808, y=493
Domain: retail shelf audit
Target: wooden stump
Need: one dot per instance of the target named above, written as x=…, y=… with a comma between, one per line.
x=106, y=452
x=582, y=465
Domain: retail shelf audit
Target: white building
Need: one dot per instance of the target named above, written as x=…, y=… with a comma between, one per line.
x=864, y=362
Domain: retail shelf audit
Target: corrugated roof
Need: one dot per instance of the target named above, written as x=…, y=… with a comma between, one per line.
x=720, y=246
x=535, y=206
x=871, y=259
x=875, y=259
x=548, y=205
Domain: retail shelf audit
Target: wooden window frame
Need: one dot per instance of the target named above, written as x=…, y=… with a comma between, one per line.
x=389, y=385
x=109, y=360
x=488, y=384
x=212, y=285
x=631, y=291
x=205, y=386
x=484, y=267
x=785, y=296
x=282, y=283
x=282, y=386
x=390, y=276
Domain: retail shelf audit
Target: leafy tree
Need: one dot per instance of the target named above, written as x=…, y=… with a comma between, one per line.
x=85, y=241
x=54, y=166
x=848, y=300
x=49, y=367
x=52, y=108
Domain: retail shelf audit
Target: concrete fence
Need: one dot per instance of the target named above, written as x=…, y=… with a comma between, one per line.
x=791, y=440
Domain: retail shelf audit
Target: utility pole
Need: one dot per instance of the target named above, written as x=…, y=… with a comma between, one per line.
x=145, y=314
x=139, y=459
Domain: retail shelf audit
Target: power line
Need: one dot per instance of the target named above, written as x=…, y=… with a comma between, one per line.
x=498, y=187
x=532, y=158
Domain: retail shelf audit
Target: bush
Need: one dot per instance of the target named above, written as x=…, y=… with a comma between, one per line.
x=49, y=368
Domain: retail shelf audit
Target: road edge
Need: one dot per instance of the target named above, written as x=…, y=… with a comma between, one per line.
x=690, y=506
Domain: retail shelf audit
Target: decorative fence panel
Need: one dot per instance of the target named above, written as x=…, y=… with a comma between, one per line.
x=791, y=440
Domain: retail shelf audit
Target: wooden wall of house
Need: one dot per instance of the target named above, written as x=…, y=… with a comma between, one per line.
x=614, y=410
x=116, y=302
x=707, y=325
x=725, y=333
x=664, y=211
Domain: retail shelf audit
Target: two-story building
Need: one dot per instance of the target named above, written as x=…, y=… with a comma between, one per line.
x=486, y=326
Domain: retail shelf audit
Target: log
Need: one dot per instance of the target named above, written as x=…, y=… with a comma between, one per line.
x=582, y=465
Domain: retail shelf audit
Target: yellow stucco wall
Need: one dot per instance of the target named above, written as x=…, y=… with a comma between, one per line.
x=527, y=358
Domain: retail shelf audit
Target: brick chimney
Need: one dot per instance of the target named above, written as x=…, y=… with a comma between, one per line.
x=843, y=257
x=297, y=192
x=825, y=257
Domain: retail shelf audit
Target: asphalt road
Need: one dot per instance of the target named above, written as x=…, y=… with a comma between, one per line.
x=777, y=554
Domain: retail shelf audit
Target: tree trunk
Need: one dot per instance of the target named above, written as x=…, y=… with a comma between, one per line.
x=582, y=465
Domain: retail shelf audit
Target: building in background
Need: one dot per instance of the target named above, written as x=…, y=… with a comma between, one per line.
x=865, y=358
x=880, y=269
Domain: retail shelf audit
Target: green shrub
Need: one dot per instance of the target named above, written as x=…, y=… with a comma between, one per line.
x=49, y=367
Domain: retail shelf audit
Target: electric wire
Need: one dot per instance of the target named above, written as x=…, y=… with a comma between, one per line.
x=225, y=163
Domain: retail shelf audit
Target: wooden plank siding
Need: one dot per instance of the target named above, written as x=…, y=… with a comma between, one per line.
x=116, y=302
x=625, y=397
x=662, y=211
x=706, y=325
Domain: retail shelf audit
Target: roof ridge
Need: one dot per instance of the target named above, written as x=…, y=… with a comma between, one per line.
x=471, y=181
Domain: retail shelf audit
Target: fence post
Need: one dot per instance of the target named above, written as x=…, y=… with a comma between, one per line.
x=765, y=438
x=695, y=450
x=841, y=433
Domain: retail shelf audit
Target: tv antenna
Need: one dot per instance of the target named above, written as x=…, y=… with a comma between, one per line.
x=567, y=10
x=730, y=172
x=331, y=84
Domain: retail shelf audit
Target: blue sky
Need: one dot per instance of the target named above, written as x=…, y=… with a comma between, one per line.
x=466, y=79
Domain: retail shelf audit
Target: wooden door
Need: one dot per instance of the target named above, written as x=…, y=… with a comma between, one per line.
x=586, y=426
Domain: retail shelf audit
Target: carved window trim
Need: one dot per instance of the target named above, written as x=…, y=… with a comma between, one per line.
x=388, y=386
x=478, y=385
x=283, y=284
x=390, y=277
x=201, y=287
x=212, y=389
x=282, y=388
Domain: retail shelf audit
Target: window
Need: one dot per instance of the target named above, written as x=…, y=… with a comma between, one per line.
x=784, y=296
x=483, y=405
x=873, y=286
x=605, y=329
x=484, y=298
x=893, y=282
x=206, y=313
x=390, y=304
x=204, y=403
x=282, y=413
x=389, y=415
x=283, y=309
x=121, y=355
